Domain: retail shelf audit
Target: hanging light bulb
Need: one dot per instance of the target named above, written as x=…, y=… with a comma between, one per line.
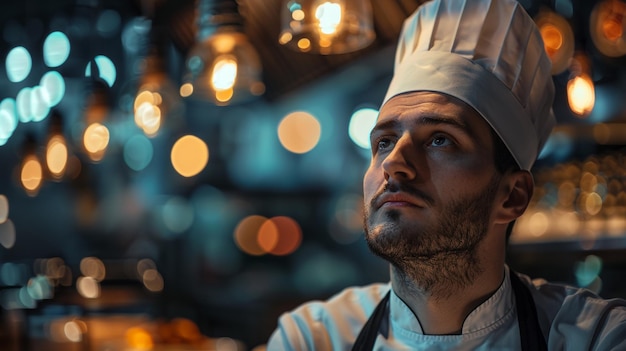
x=580, y=88
x=96, y=136
x=56, y=148
x=223, y=66
x=31, y=170
x=156, y=97
x=606, y=26
x=326, y=26
x=558, y=39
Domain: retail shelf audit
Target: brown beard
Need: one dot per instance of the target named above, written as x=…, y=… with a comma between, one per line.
x=443, y=258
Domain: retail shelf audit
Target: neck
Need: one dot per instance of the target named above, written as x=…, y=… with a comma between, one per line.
x=443, y=291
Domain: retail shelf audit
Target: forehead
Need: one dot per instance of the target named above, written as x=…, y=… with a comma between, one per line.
x=423, y=103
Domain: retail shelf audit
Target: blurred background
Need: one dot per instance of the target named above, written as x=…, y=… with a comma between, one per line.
x=179, y=173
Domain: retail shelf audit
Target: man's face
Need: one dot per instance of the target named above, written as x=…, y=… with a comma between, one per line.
x=431, y=184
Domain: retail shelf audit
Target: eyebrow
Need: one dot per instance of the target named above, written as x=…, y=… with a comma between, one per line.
x=430, y=120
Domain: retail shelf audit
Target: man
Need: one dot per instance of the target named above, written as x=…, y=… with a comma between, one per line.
x=465, y=116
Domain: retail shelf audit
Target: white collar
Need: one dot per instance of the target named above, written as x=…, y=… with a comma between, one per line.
x=494, y=312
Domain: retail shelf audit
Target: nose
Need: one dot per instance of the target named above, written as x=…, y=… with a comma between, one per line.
x=400, y=163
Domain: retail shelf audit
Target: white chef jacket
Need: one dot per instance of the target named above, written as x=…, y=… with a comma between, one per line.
x=570, y=318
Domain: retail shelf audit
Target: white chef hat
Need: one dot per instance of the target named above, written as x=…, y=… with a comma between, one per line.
x=489, y=54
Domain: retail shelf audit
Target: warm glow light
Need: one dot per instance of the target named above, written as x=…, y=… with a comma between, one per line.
x=88, y=287
x=73, y=331
x=139, y=339
x=148, y=114
x=93, y=267
x=186, y=90
x=246, y=234
x=189, y=155
x=224, y=95
x=279, y=235
x=96, y=139
x=593, y=204
x=299, y=132
x=612, y=28
x=31, y=175
x=297, y=15
x=581, y=95
x=56, y=155
x=304, y=44
x=552, y=38
x=558, y=39
x=606, y=26
x=153, y=280
x=326, y=26
x=224, y=73
x=329, y=15
x=538, y=224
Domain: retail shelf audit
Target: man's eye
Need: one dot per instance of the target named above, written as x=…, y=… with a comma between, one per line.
x=440, y=140
x=383, y=144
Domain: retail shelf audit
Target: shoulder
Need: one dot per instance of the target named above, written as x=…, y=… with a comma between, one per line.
x=577, y=316
x=328, y=324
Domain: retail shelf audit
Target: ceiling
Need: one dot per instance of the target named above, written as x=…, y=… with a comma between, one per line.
x=284, y=70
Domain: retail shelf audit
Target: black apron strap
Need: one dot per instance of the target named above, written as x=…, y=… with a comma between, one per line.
x=530, y=333
x=529, y=330
x=367, y=337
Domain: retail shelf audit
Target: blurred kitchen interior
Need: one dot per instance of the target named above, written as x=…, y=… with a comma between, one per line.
x=180, y=173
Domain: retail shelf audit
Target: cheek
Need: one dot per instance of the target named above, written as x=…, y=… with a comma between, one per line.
x=371, y=183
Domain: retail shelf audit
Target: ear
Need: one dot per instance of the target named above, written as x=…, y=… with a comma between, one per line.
x=516, y=189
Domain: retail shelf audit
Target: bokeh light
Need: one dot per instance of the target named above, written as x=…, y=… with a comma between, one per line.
x=138, y=338
x=246, y=234
x=93, y=267
x=56, y=156
x=588, y=270
x=279, y=235
x=361, y=123
x=73, y=331
x=31, y=174
x=558, y=38
x=108, y=23
x=186, y=90
x=147, y=112
x=606, y=27
x=95, y=140
x=4, y=208
x=138, y=152
x=18, y=64
x=105, y=68
x=177, y=214
x=88, y=287
x=13, y=274
x=538, y=224
x=23, y=105
x=153, y=280
x=39, y=288
x=53, y=88
x=39, y=108
x=56, y=49
x=299, y=132
x=8, y=118
x=189, y=155
x=581, y=95
x=7, y=234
